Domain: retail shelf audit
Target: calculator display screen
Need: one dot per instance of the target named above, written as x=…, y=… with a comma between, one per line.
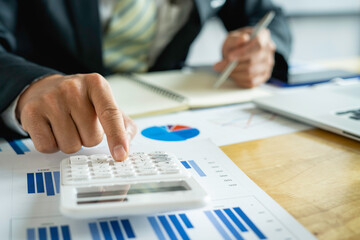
x=111, y=193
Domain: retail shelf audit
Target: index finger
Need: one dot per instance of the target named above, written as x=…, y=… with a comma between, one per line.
x=111, y=118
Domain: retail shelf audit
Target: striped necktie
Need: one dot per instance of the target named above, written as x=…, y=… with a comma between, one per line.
x=129, y=36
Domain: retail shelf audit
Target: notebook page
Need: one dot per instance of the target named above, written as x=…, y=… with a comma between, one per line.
x=137, y=100
x=196, y=87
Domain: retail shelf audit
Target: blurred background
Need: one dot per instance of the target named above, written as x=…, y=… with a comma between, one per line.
x=322, y=30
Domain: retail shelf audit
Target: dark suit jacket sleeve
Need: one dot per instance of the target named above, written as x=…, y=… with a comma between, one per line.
x=240, y=13
x=15, y=72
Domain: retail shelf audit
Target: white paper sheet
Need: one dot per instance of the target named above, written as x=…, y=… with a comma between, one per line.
x=223, y=125
x=239, y=209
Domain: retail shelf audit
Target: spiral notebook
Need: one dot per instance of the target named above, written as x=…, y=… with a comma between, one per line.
x=140, y=95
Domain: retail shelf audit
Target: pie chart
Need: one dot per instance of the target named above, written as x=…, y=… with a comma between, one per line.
x=170, y=133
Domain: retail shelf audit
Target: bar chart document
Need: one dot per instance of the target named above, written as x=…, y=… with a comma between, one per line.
x=239, y=209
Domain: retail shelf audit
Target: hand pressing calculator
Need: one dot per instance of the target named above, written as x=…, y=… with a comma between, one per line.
x=97, y=186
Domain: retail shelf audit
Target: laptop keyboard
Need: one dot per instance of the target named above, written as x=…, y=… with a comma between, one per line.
x=352, y=114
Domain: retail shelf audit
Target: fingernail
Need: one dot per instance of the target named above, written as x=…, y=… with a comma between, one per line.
x=119, y=153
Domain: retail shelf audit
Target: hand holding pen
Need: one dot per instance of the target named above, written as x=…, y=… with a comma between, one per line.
x=248, y=55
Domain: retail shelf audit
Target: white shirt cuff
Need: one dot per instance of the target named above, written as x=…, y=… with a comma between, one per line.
x=9, y=117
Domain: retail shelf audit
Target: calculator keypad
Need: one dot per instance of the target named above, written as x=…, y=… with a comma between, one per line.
x=102, y=168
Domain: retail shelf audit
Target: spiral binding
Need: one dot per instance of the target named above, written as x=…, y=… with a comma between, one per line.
x=159, y=90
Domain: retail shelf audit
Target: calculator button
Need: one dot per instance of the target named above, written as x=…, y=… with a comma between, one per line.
x=166, y=163
x=147, y=172
x=80, y=159
x=158, y=153
x=135, y=154
x=169, y=170
x=98, y=157
x=100, y=162
x=77, y=180
x=139, y=164
x=79, y=175
x=100, y=165
x=124, y=174
x=146, y=168
x=157, y=160
x=78, y=167
x=122, y=164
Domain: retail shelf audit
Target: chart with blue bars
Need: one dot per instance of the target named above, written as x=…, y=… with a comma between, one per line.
x=121, y=229
x=251, y=220
x=166, y=226
x=191, y=164
x=45, y=183
x=18, y=146
x=235, y=221
x=49, y=232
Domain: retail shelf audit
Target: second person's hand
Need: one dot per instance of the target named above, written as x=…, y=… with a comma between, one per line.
x=67, y=112
x=255, y=57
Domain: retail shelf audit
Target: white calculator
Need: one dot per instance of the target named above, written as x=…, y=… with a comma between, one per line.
x=97, y=186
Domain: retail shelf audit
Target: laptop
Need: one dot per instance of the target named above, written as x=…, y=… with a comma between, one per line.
x=333, y=108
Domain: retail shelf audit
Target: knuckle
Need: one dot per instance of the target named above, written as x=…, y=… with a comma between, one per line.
x=94, y=139
x=110, y=114
x=71, y=148
x=95, y=80
x=70, y=88
x=30, y=110
x=47, y=147
x=50, y=98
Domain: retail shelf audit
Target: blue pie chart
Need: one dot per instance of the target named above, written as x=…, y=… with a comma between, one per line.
x=170, y=133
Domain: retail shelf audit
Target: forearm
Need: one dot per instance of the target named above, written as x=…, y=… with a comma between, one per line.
x=15, y=74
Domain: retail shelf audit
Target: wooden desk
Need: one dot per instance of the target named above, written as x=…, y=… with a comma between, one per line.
x=314, y=175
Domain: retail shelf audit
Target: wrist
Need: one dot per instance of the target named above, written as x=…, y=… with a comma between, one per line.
x=23, y=95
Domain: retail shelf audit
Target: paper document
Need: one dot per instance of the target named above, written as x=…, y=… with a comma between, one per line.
x=171, y=91
x=239, y=209
x=223, y=125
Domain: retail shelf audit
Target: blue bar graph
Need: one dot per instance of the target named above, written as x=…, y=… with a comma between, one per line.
x=57, y=181
x=37, y=185
x=65, y=230
x=22, y=146
x=30, y=234
x=31, y=183
x=235, y=220
x=54, y=233
x=112, y=226
x=171, y=227
x=106, y=230
x=42, y=233
x=94, y=231
x=18, y=146
x=49, y=184
x=185, y=164
x=197, y=168
x=167, y=227
x=155, y=225
x=227, y=223
x=117, y=230
x=178, y=227
x=217, y=225
x=250, y=223
x=40, y=182
x=186, y=220
x=128, y=229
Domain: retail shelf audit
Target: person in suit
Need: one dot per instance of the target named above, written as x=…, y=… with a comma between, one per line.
x=54, y=56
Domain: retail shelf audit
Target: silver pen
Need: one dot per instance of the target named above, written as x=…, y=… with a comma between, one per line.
x=263, y=23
